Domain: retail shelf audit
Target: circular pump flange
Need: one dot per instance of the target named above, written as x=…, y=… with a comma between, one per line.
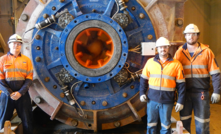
x=90, y=54
x=95, y=48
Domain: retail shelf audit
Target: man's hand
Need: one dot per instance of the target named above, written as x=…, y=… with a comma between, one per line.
x=15, y=95
x=215, y=98
x=178, y=107
x=143, y=98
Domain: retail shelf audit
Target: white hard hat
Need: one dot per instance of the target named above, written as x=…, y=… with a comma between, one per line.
x=191, y=28
x=15, y=38
x=162, y=42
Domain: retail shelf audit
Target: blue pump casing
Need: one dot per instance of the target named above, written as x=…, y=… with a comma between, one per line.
x=51, y=49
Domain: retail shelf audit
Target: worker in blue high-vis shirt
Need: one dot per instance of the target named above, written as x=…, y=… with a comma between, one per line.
x=16, y=74
x=162, y=75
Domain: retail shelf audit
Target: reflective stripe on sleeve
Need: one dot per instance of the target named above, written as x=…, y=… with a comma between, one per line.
x=162, y=88
x=29, y=72
x=14, y=78
x=202, y=120
x=167, y=127
x=194, y=66
x=151, y=124
x=197, y=75
x=185, y=117
x=180, y=81
x=163, y=76
x=214, y=72
x=144, y=76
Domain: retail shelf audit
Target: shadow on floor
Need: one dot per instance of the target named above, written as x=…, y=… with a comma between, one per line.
x=43, y=125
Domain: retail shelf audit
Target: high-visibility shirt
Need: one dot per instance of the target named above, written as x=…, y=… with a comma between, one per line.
x=198, y=68
x=16, y=73
x=162, y=80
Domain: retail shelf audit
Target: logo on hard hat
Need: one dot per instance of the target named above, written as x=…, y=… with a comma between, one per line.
x=15, y=38
x=18, y=38
x=191, y=28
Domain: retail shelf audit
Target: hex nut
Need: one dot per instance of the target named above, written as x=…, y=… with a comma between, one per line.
x=62, y=95
x=179, y=22
x=117, y=124
x=55, y=86
x=38, y=100
x=133, y=8
x=132, y=87
x=37, y=37
x=38, y=48
x=47, y=79
x=93, y=102
x=53, y=8
x=24, y=17
x=124, y=95
x=83, y=103
x=45, y=16
x=150, y=37
x=104, y=103
x=37, y=59
x=74, y=123
x=141, y=15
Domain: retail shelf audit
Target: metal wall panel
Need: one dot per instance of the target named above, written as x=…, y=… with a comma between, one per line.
x=6, y=25
x=10, y=12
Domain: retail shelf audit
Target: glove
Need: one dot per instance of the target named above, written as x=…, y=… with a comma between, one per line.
x=143, y=98
x=215, y=98
x=178, y=107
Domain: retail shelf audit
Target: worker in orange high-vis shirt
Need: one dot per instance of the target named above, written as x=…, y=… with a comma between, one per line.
x=16, y=74
x=162, y=75
x=199, y=63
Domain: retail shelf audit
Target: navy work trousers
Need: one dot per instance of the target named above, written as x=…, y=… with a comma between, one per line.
x=24, y=109
x=200, y=103
x=3, y=107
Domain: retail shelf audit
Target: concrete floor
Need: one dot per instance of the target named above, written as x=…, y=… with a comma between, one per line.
x=43, y=124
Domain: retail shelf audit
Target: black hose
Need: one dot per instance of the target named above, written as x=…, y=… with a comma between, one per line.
x=30, y=29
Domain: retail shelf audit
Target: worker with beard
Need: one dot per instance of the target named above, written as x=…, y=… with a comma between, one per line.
x=162, y=75
x=199, y=64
